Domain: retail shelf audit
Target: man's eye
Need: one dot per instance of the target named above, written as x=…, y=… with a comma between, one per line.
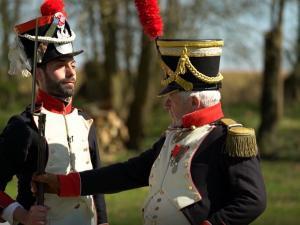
x=60, y=65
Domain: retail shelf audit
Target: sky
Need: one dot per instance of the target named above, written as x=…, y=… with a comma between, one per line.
x=243, y=48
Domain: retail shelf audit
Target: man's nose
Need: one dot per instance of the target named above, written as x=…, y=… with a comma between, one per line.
x=70, y=71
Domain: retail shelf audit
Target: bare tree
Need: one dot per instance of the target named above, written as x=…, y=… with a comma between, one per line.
x=9, y=13
x=292, y=83
x=115, y=65
x=272, y=90
x=128, y=35
x=108, y=26
x=146, y=87
x=138, y=109
x=173, y=17
x=128, y=50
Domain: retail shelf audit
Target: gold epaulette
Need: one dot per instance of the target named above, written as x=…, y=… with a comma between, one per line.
x=240, y=141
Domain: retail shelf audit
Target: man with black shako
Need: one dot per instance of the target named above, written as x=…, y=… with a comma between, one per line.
x=70, y=135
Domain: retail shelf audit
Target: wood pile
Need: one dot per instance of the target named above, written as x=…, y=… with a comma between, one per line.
x=111, y=129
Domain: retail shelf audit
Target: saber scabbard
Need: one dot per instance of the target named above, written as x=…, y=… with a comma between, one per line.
x=41, y=157
x=41, y=151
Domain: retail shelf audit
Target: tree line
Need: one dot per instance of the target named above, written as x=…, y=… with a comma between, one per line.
x=121, y=66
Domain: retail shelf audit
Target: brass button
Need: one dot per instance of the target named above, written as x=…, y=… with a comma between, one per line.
x=190, y=188
x=186, y=164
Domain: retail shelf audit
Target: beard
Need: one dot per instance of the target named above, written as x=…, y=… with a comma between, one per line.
x=59, y=88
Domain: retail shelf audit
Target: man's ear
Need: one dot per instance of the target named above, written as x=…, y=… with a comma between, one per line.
x=196, y=103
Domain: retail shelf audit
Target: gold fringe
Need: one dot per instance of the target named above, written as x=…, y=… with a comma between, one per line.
x=240, y=141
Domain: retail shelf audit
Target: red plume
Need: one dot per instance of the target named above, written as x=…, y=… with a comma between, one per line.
x=50, y=7
x=148, y=11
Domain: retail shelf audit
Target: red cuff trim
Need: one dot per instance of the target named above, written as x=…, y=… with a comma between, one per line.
x=5, y=200
x=69, y=185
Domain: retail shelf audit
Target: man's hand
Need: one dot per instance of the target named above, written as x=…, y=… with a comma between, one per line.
x=37, y=215
x=63, y=185
x=50, y=180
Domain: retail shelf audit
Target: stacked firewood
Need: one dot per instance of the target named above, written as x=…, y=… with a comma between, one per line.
x=112, y=132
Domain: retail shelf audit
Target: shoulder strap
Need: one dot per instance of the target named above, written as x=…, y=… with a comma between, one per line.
x=240, y=141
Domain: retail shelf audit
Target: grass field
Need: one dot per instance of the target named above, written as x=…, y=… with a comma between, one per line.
x=282, y=176
x=282, y=182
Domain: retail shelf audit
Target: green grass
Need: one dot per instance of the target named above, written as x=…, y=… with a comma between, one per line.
x=282, y=176
x=125, y=208
x=282, y=182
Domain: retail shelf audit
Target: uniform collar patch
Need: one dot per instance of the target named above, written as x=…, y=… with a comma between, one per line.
x=203, y=116
x=53, y=104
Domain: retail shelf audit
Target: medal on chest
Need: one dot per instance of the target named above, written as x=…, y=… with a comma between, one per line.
x=176, y=155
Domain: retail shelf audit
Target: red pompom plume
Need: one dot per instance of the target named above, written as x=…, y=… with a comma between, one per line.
x=50, y=7
x=148, y=11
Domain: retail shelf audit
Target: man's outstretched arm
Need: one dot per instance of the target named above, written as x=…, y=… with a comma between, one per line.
x=131, y=174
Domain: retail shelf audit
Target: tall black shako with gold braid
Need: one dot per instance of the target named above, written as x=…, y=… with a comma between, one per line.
x=190, y=65
x=193, y=65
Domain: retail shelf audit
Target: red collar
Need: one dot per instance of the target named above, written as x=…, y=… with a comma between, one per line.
x=203, y=116
x=53, y=104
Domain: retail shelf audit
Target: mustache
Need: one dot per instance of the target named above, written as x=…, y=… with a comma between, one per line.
x=68, y=80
